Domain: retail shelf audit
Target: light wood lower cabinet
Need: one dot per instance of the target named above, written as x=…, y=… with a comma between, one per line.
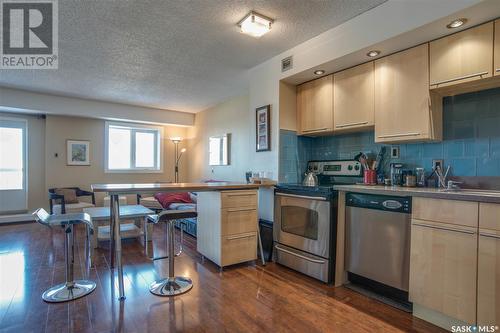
x=488, y=276
x=227, y=226
x=443, y=263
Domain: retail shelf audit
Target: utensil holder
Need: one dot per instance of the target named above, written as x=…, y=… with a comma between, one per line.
x=370, y=177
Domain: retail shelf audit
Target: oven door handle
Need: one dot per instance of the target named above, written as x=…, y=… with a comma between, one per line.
x=317, y=261
x=301, y=196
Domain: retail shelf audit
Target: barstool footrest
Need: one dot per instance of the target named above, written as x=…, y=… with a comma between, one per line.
x=65, y=292
x=171, y=286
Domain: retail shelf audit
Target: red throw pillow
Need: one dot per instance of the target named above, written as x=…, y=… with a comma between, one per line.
x=166, y=199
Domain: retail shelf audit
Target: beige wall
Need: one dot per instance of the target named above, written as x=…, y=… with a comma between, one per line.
x=58, y=174
x=228, y=117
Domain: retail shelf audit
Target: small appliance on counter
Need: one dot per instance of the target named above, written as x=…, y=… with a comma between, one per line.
x=305, y=218
x=396, y=174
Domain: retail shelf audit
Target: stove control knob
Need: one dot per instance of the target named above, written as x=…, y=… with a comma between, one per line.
x=349, y=167
x=356, y=167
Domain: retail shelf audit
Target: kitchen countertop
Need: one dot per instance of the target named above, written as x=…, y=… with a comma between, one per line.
x=464, y=194
x=172, y=187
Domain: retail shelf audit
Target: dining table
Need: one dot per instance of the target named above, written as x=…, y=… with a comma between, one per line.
x=115, y=190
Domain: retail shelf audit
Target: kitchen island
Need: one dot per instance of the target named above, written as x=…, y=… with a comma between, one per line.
x=115, y=190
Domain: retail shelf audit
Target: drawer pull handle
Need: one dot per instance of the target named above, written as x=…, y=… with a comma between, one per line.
x=234, y=210
x=489, y=235
x=459, y=78
x=299, y=255
x=497, y=70
x=351, y=124
x=396, y=135
x=445, y=229
x=240, y=195
x=240, y=237
x=315, y=130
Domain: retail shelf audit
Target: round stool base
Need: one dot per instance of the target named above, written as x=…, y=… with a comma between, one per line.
x=171, y=286
x=64, y=293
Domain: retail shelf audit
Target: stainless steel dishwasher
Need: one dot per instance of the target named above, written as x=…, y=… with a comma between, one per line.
x=378, y=238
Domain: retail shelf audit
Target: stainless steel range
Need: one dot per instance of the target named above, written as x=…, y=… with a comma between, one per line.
x=305, y=219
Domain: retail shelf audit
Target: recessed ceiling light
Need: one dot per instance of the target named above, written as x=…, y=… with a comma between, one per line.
x=319, y=72
x=373, y=53
x=456, y=23
x=255, y=24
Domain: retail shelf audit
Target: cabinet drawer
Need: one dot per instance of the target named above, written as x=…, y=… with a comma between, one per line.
x=238, y=199
x=446, y=211
x=489, y=216
x=239, y=248
x=238, y=220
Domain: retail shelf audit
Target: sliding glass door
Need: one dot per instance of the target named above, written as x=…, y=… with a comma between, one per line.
x=13, y=179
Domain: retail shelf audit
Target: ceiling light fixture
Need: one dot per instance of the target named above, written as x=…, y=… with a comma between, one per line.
x=456, y=23
x=319, y=72
x=255, y=24
x=373, y=53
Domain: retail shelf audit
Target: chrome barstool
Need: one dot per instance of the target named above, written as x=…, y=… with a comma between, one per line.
x=173, y=285
x=71, y=289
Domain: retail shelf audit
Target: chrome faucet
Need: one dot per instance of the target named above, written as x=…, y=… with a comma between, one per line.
x=453, y=185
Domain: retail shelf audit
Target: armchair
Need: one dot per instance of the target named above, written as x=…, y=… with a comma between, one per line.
x=58, y=205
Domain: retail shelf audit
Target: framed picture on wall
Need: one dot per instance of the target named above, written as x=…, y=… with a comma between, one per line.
x=78, y=152
x=263, y=128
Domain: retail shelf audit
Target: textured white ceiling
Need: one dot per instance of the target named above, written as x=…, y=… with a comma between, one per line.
x=183, y=55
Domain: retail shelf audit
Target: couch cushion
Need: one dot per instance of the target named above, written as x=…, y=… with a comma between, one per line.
x=69, y=195
x=166, y=199
x=72, y=208
x=182, y=206
x=150, y=202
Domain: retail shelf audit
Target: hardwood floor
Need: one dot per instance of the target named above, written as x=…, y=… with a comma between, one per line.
x=242, y=298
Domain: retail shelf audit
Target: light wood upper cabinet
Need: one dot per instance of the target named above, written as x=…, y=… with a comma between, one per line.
x=496, y=51
x=354, y=98
x=462, y=57
x=404, y=109
x=488, y=288
x=443, y=261
x=315, y=106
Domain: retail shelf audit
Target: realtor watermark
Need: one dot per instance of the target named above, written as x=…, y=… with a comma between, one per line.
x=29, y=34
x=474, y=329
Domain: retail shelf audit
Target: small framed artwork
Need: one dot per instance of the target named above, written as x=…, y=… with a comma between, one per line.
x=78, y=152
x=263, y=128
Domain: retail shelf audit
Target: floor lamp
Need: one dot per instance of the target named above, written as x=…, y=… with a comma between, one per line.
x=178, y=155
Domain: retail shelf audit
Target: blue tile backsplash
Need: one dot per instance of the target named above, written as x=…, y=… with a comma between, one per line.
x=471, y=142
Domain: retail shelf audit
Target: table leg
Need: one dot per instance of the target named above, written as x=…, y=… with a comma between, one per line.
x=111, y=233
x=115, y=213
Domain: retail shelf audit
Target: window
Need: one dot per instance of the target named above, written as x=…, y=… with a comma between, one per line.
x=11, y=158
x=133, y=147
